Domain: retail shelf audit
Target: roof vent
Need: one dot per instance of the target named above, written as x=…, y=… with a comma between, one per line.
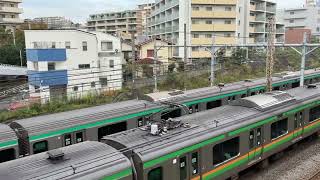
x=56, y=156
x=175, y=93
x=312, y=86
x=248, y=80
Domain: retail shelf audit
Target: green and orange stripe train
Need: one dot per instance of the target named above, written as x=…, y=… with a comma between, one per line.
x=213, y=144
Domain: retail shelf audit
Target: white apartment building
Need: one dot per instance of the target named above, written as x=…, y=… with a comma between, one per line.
x=302, y=18
x=55, y=22
x=72, y=62
x=230, y=21
x=253, y=17
x=9, y=13
x=145, y=14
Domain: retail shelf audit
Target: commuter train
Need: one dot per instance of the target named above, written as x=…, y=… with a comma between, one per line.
x=214, y=144
x=39, y=134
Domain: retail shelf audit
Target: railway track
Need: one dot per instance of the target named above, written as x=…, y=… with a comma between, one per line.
x=316, y=176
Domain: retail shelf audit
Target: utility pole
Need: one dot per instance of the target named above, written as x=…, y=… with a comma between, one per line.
x=185, y=45
x=303, y=59
x=213, y=60
x=270, y=53
x=133, y=56
x=155, y=59
x=14, y=35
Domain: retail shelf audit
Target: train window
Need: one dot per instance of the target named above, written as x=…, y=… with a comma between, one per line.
x=253, y=93
x=314, y=114
x=183, y=168
x=276, y=88
x=225, y=151
x=79, y=137
x=111, y=129
x=251, y=139
x=295, y=121
x=279, y=128
x=140, y=122
x=67, y=140
x=259, y=137
x=194, y=163
x=40, y=147
x=155, y=174
x=243, y=95
x=173, y=114
x=7, y=155
x=196, y=108
x=296, y=84
x=214, y=104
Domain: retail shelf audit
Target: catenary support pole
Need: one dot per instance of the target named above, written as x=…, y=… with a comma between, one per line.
x=213, y=60
x=303, y=59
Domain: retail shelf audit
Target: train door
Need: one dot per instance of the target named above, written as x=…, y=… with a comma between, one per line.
x=256, y=144
x=298, y=125
x=189, y=166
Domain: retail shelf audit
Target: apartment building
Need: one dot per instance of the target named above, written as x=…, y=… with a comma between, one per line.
x=203, y=19
x=126, y=22
x=302, y=18
x=9, y=13
x=55, y=22
x=253, y=21
x=145, y=14
x=72, y=62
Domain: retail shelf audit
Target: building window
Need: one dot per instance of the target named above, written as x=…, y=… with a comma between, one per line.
x=227, y=35
x=68, y=45
x=106, y=46
x=40, y=147
x=51, y=66
x=84, y=66
x=292, y=13
x=195, y=22
x=225, y=151
x=111, y=63
x=11, y=5
x=279, y=128
x=228, y=9
x=13, y=16
x=195, y=48
x=75, y=88
x=208, y=22
x=208, y=35
x=93, y=84
x=84, y=46
x=53, y=45
x=196, y=36
x=291, y=21
x=227, y=22
x=209, y=8
x=155, y=174
x=318, y=29
x=195, y=8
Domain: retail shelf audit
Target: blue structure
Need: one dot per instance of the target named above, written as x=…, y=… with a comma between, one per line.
x=48, y=78
x=52, y=55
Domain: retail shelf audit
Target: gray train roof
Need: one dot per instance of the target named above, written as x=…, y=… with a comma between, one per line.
x=183, y=96
x=42, y=124
x=6, y=133
x=88, y=160
x=204, y=124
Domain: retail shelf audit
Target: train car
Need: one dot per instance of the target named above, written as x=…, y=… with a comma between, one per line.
x=43, y=133
x=91, y=124
x=220, y=143
x=8, y=144
x=84, y=161
x=212, y=97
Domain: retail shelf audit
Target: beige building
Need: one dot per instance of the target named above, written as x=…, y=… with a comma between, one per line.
x=145, y=14
x=9, y=13
x=124, y=22
x=203, y=19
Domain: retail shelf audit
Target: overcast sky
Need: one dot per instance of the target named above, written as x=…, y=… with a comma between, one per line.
x=79, y=10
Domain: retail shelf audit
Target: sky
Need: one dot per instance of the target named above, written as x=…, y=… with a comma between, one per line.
x=79, y=10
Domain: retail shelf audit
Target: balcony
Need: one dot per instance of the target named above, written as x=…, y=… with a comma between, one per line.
x=48, y=78
x=11, y=10
x=53, y=55
x=214, y=27
x=280, y=31
x=252, y=7
x=11, y=21
x=218, y=40
x=200, y=54
x=219, y=2
x=271, y=9
x=216, y=14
